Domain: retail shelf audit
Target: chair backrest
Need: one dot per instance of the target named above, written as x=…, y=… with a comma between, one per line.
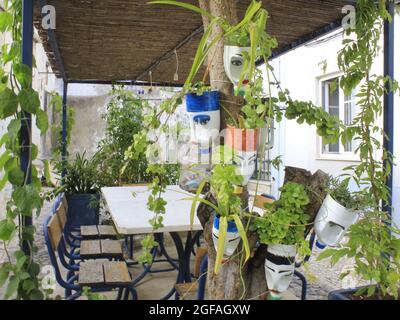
x=65, y=202
x=54, y=231
x=62, y=215
x=261, y=200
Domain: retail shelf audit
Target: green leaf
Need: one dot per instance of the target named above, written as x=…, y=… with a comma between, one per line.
x=326, y=254
x=243, y=235
x=29, y=100
x=223, y=226
x=47, y=171
x=4, y=272
x=193, y=207
x=184, y=5
x=36, y=295
x=42, y=121
x=16, y=176
x=12, y=287
x=6, y=20
x=23, y=73
x=13, y=128
x=7, y=228
x=14, y=51
x=8, y=103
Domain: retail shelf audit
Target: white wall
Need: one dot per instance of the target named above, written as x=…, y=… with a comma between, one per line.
x=300, y=71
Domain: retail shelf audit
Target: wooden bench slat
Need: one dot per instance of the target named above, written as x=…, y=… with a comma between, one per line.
x=90, y=249
x=111, y=248
x=91, y=273
x=116, y=273
x=106, y=230
x=89, y=231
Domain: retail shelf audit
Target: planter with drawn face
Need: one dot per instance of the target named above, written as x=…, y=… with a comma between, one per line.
x=279, y=268
x=233, y=62
x=204, y=115
x=332, y=221
x=244, y=146
x=232, y=237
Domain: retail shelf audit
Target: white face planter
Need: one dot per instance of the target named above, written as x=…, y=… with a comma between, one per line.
x=233, y=62
x=332, y=221
x=232, y=237
x=204, y=115
x=245, y=163
x=279, y=268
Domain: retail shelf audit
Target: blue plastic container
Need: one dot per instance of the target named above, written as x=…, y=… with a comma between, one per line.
x=208, y=101
x=231, y=225
x=79, y=211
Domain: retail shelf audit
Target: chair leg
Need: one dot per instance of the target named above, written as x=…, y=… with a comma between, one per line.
x=120, y=291
x=133, y=293
x=303, y=284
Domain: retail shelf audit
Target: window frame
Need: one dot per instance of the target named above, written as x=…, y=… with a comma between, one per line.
x=342, y=155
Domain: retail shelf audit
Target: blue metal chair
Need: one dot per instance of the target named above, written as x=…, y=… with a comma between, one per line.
x=53, y=239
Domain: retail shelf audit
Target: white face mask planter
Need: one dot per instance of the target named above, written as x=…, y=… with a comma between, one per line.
x=332, y=222
x=279, y=268
x=233, y=62
x=232, y=237
x=204, y=114
x=243, y=143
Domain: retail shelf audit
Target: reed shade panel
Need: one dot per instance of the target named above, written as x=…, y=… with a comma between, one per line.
x=113, y=40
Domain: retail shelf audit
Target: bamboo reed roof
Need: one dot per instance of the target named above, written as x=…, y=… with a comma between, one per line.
x=113, y=40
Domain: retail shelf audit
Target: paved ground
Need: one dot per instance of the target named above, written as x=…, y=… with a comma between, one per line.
x=156, y=285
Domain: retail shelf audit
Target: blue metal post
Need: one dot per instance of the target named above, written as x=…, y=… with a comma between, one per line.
x=64, y=129
x=388, y=113
x=26, y=118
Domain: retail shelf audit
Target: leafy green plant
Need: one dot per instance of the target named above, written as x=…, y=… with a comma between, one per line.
x=285, y=221
x=372, y=242
x=81, y=176
x=339, y=190
x=17, y=100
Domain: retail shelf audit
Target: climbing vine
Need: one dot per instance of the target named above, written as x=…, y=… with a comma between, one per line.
x=19, y=273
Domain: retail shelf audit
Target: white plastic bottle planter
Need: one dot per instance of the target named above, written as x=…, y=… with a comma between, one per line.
x=244, y=145
x=233, y=62
x=279, y=268
x=232, y=237
x=204, y=114
x=332, y=222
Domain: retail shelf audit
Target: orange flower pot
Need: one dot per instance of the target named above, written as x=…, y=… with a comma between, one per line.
x=244, y=140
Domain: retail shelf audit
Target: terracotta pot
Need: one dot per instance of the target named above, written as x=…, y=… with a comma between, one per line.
x=241, y=139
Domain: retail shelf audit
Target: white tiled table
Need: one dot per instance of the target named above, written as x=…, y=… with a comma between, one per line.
x=131, y=216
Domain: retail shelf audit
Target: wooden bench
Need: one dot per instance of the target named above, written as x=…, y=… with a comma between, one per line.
x=91, y=249
x=98, y=232
x=97, y=273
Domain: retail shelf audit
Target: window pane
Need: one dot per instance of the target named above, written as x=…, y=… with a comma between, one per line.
x=331, y=103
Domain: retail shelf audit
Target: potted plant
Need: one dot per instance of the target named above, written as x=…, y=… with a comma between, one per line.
x=282, y=228
x=227, y=228
x=339, y=210
x=81, y=186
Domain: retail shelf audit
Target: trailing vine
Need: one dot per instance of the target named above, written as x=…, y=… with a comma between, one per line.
x=373, y=242
x=19, y=272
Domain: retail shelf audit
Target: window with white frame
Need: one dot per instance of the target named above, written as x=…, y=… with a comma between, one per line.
x=336, y=103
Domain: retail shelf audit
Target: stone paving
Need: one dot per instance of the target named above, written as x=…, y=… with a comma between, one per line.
x=326, y=277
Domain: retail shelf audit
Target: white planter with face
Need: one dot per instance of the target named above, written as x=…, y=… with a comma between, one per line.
x=232, y=237
x=279, y=268
x=245, y=162
x=233, y=62
x=332, y=221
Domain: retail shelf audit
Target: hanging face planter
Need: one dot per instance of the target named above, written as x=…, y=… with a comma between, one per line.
x=243, y=142
x=233, y=62
x=279, y=268
x=332, y=221
x=204, y=114
x=232, y=237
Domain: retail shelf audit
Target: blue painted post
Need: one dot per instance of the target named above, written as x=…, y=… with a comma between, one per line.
x=64, y=129
x=26, y=118
x=388, y=111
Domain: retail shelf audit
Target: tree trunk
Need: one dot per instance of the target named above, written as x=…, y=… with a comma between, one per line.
x=232, y=282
